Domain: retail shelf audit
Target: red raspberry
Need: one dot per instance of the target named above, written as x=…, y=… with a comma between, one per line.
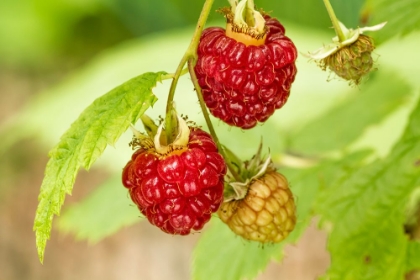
x=177, y=191
x=245, y=78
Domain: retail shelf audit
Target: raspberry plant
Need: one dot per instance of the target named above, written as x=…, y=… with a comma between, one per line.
x=360, y=195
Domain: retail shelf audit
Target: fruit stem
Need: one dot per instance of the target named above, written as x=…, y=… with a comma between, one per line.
x=334, y=21
x=190, y=57
x=191, y=52
x=172, y=75
x=231, y=167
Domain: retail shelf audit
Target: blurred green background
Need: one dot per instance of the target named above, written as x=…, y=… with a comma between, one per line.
x=56, y=57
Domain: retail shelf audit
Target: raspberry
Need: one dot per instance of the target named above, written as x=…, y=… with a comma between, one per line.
x=177, y=190
x=245, y=75
x=349, y=56
x=351, y=62
x=265, y=214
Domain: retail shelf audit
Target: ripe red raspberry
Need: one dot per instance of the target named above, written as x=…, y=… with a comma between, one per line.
x=177, y=190
x=245, y=76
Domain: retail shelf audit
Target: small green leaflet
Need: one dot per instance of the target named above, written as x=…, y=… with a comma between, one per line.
x=367, y=213
x=99, y=125
x=101, y=214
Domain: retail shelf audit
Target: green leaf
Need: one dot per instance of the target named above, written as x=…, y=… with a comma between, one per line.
x=101, y=214
x=413, y=256
x=367, y=211
x=307, y=184
x=101, y=124
x=223, y=255
x=402, y=17
x=345, y=122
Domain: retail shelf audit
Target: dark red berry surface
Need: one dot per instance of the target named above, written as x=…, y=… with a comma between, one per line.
x=177, y=192
x=243, y=85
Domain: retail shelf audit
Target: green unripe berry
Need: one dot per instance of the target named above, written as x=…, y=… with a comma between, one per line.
x=351, y=62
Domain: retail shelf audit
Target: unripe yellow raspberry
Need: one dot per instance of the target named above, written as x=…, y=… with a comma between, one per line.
x=266, y=214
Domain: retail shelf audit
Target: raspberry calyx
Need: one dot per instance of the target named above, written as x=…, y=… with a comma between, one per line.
x=244, y=24
x=177, y=186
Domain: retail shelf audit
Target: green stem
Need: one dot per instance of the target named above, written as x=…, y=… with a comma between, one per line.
x=172, y=75
x=190, y=57
x=334, y=21
x=191, y=52
x=231, y=167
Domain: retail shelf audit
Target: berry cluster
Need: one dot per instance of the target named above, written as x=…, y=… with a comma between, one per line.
x=177, y=191
x=242, y=83
x=245, y=72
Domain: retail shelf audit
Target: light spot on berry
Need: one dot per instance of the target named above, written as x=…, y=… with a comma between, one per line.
x=194, y=158
x=151, y=188
x=266, y=75
x=217, y=162
x=209, y=177
x=236, y=56
x=171, y=169
x=183, y=221
x=236, y=78
x=236, y=108
x=255, y=59
x=190, y=185
x=250, y=86
x=173, y=205
x=199, y=205
x=145, y=164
